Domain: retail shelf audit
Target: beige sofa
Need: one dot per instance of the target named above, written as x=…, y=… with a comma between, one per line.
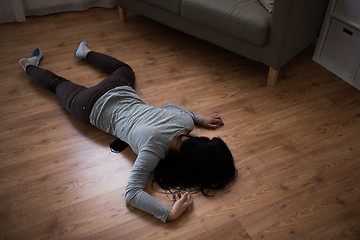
x=246, y=27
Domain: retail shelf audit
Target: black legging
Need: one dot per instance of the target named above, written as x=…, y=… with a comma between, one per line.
x=78, y=99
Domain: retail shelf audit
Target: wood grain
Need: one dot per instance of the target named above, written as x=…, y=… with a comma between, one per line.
x=296, y=145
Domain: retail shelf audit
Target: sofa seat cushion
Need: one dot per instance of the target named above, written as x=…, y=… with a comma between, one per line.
x=169, y=5
x=244, y=19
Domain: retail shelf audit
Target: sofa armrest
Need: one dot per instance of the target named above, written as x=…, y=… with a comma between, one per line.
x=294, y=25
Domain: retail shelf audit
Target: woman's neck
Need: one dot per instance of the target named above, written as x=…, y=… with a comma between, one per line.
x=178, y=141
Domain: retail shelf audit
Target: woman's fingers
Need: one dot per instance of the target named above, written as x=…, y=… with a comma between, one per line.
x=187, y=200
x=217, y=119
x=183, y=202
x=183, y=198
x=212, y=121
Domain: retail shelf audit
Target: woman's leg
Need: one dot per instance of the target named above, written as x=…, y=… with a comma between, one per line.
x=78, y=99
x=120, y=74
x=63, y=88
x=118, y=70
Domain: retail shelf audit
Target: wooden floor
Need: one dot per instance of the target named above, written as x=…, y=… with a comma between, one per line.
x=296, y=145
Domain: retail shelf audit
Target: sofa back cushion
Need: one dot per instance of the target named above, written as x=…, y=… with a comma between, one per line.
x=244, y=19
x=169, y=5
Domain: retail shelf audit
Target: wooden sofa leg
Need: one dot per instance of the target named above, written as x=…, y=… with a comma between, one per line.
x=122, y=14
x=273, y=76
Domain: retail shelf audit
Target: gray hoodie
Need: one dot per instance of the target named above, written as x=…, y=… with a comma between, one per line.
x=149, y=131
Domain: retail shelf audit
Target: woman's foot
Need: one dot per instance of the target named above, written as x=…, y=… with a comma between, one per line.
x=82, y=50
x=33, y=59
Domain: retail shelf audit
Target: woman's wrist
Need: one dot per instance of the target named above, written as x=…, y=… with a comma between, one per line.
x=170, y=216
x=173, y=215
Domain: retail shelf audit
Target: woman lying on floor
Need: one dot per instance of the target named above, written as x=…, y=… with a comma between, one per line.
x=159, y=136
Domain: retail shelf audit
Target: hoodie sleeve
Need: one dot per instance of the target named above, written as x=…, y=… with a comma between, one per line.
x=135, y=194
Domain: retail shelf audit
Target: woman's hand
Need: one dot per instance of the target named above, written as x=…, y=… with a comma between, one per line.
x=212, y=121
x=181, y=203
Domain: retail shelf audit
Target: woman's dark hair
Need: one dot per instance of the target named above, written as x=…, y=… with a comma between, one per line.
x=201, y=165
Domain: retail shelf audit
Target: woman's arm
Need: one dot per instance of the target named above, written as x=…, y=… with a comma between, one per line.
x=135, y=194
x=138, y=198
x=211, y=121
